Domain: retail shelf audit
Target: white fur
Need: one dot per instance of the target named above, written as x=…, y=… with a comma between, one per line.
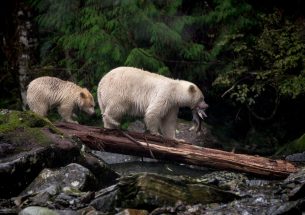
x=46, y=92
x=135, y=92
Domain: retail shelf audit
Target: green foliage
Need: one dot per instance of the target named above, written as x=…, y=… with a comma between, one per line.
x=296, y=146
x=95, y=36
x=273, y=59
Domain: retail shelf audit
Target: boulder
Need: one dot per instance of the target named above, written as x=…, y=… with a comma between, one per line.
x=28, y=144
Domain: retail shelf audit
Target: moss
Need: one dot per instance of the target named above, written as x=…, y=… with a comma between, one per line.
x=296, y=146
x=12, y=120
x=23, y=129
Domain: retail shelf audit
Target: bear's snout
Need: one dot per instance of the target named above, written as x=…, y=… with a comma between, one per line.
x=89, y=111
x=202, y=105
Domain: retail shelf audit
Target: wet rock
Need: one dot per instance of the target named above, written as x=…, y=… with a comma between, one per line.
x=297, y=157
x=292, y=207
x=6, y=149
x=73, y=175
x=105, y=176
x=29, y=143
x=34, y=210
x=257, y=196
x=149, y=191
x=294, y=185
x=89, y=211
x=132, y=212
x=7, y=206
x=37, y=210
x=59, y=189
x=159, y=167
x=106, y=199
x=225, y=180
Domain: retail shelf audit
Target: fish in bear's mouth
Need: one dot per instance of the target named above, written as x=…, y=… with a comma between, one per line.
x=199, y=115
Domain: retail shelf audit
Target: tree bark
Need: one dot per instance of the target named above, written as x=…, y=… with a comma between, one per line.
x=141, y=144
x=18, y=44
x=25, y=44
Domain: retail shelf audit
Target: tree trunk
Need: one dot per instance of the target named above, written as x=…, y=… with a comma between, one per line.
x=146, y=145
x=25, y=45
x=18, y=44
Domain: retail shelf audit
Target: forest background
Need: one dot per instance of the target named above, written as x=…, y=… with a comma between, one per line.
x=247, y=56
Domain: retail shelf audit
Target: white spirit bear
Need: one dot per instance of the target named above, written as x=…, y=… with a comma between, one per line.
x=46, y=92
x=135, y=92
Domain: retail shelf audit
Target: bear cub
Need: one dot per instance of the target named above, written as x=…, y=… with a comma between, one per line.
x=46, y=92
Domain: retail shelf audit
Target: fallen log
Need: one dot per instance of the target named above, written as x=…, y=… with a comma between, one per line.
x=146, y=145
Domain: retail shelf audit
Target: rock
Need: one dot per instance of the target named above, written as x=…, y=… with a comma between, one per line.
x=132, y=212
x=292, y=207
x=29, y=143
x=7, y=206
x=104, y=175
x=34, y=210
x=294, y=185
x=106, y=198
x=225, y=180
x=148, y=191
x=60, y=189
x=73, y=176
x=6, y=149
x=297, y=157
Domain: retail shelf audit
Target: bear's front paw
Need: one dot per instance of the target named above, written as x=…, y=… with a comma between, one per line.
x=192, y=128
x=180, y=140
x=153, y=133
x=71, y=121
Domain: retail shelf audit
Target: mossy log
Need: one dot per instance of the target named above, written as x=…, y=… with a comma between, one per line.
x=146, y=145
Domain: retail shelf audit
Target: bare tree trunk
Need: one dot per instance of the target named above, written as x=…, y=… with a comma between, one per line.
x=26, y=44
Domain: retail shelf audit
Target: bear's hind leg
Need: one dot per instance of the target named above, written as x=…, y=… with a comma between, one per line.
x=112, y=117
x=40, y=109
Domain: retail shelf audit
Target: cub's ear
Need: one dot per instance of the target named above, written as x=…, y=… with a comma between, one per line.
x=192, y=89
x=82, y=95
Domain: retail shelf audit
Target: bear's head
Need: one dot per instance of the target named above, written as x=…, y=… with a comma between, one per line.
x=196, y=97
x=197, y=103
x=86, y=103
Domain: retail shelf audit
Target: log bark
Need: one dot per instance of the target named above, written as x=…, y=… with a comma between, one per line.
x=146, y=145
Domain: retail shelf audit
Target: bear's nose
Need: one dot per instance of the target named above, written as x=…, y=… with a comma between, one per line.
x=202, y=105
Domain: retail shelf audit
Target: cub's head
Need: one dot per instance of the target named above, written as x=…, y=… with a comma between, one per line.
x=86, y=103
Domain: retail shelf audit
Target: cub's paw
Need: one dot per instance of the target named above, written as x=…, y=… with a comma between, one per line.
x=71, y=121
x=180, y=140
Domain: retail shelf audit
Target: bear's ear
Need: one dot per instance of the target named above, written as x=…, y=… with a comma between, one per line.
x=82, y=95
x=192, y=89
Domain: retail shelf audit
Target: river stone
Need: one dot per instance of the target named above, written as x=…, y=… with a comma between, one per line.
x=104, y=174
x=132, y=212
x=294, y=185
x=35, y=210
x=73, y=175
